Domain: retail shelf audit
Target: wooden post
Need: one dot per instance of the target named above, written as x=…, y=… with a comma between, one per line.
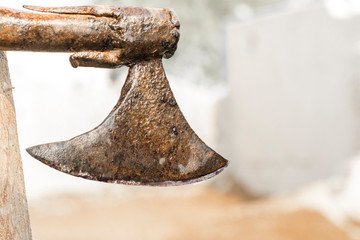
x=14, y=215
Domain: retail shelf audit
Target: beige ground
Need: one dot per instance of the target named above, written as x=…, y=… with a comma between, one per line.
x=205, y=215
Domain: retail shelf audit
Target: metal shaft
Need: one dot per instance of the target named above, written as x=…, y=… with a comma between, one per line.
x=23, y=31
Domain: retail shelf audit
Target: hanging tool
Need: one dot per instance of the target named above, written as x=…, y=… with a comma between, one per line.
x=145, y=140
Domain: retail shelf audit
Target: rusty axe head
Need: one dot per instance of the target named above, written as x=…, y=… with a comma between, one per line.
x=145, y=140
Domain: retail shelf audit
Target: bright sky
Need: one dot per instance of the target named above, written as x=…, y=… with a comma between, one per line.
x=343, y=8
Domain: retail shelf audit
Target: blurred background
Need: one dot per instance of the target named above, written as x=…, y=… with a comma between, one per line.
x=272, y=85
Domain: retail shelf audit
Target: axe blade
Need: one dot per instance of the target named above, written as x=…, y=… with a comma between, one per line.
x=145, y=140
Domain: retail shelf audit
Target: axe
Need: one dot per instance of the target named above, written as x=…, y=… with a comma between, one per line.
x=145, y=140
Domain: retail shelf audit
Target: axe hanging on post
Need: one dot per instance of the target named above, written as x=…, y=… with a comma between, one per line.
x=145, y=140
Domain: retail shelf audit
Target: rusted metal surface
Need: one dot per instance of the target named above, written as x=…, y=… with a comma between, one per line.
x=101, y=36
x=145, y=140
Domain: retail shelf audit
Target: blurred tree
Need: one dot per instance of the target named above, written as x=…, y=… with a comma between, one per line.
x=200, y=50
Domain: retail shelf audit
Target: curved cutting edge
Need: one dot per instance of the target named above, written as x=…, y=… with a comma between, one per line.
x=145, y=140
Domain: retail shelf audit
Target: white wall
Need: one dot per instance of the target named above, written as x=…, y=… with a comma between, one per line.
x=292, y=112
